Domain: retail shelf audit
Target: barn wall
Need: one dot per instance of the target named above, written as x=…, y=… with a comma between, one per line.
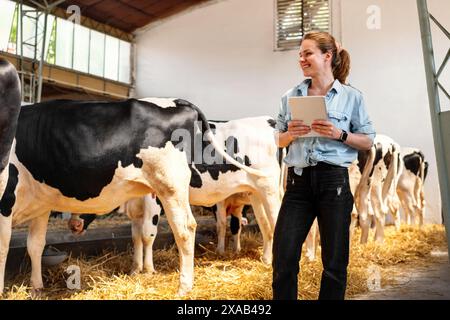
x=220, y=56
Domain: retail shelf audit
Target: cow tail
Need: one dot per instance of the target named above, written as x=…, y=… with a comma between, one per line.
x=420, y=182
x=211, y=138
x=368, y=166
x=422, y=167
x=392, y=176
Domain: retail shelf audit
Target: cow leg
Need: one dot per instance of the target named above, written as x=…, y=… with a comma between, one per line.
x=354, y=221
x=264, y=226
x=380, y=222
x=408, y=206
x=35, y=246
x=221, y=226
x=362, y=204
x=365, y=227
x=365, y=217
x=138, y=249
x=235, y=226
x=395, y=211
x=152, y=212
x=381, y=210
x=421, y=207
x=5, y=238
x=271, y=202
x=311, y=241
x=167, y=171
x=183, y=228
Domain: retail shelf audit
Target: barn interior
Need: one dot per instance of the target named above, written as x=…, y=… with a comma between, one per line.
x=219, y=54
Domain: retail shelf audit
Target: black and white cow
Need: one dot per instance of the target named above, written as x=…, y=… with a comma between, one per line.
x=90, y=157
x=10, y=97
x=252, y=141
x=373, y=178
x=249, y=139
x=375, y=195
x=410, y=185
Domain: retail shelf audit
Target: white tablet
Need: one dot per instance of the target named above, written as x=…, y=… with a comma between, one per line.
x=308, y=109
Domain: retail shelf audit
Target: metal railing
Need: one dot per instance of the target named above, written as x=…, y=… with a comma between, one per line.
x=440, y=120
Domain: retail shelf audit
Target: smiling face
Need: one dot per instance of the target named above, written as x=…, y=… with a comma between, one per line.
x=313, y=61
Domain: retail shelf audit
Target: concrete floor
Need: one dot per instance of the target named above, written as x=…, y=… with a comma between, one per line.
x=428, y=282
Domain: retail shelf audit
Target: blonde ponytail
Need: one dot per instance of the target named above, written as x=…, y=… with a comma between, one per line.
x=341, y=66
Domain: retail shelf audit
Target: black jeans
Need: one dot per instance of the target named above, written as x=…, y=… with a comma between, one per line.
x=324, y=192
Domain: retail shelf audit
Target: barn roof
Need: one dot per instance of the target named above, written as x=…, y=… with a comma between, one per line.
x=118, y=18
x=129, y=15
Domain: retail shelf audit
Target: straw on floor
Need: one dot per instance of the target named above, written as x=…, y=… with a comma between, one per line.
x=240, y=276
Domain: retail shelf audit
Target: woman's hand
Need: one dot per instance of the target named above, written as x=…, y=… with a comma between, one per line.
x=326, y=128
x=296, y=128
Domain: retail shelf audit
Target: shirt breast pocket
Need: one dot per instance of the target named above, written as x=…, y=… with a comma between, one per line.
x=339, y=119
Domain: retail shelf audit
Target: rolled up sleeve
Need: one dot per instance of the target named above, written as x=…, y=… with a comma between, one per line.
x=360, y=121
x=282, y=124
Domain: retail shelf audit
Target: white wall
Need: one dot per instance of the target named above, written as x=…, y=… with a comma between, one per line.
x=387, y=65
x=220, y=56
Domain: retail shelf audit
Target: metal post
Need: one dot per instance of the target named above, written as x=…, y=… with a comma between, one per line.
x=435, y=110
x=41, y=61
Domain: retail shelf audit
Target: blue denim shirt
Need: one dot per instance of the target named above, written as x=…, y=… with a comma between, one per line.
x=346, y=110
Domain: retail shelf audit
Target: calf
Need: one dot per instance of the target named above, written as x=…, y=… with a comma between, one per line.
x=232, y=206
x=90, y=157
x=410, y=185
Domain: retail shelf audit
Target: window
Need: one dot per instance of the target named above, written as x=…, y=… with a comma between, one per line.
x=97, y=53
x=112, y=58
x=124, y=62
x=6, y=21
x=81, y=49
x=297, y=17
x=67, y=44
x=64, y=43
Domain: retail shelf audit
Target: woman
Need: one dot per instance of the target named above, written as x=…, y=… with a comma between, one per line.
x=318, y=183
